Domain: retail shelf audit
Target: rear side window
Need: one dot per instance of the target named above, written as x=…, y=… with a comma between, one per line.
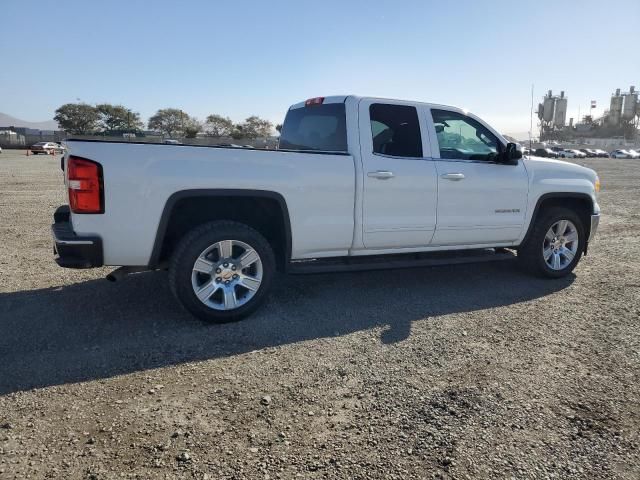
x=395, y=130
x=315, y=127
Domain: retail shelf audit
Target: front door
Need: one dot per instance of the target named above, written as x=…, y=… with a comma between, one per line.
x=480, y=201
x=399, y=177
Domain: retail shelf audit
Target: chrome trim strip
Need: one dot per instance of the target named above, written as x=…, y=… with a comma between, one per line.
x=60, y=241
x=73, y=242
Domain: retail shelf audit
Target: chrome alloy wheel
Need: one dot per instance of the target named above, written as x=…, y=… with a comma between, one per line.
x=560, y=244
x=227, y=275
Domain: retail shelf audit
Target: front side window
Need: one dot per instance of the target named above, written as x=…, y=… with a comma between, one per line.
x=462, y=137
x=395, y=130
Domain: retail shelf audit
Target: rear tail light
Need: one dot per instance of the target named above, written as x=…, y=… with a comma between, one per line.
x=86, y=190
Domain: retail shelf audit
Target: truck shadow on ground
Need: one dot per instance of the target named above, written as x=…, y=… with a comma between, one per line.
x=97, y=329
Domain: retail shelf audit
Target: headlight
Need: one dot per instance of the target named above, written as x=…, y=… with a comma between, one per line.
x=597, y=184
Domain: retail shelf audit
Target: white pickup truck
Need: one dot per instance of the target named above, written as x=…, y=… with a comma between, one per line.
x=356, y=183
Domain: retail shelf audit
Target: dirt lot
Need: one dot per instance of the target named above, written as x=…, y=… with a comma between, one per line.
x=474, y=371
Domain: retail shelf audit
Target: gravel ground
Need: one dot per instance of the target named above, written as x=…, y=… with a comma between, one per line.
x=474, y=371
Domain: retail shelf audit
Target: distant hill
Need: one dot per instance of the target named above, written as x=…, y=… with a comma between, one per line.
x=9, y=121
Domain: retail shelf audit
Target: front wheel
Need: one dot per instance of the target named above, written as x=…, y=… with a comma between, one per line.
x=222, y=271
x=555, y=245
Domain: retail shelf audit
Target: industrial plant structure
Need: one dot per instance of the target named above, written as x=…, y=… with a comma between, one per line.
x=618, y=124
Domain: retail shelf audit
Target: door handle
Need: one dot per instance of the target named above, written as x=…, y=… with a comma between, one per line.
x=453, y=176
x=381, y=174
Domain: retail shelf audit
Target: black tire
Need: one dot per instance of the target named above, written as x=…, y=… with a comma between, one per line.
x=197, y=241
x=530, y=254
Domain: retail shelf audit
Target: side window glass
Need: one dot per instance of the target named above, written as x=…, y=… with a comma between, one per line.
x=395, y=130
x=462, y=137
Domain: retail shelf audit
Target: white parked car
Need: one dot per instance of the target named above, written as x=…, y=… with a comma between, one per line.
x=621, y=154
x=357, y=183
x=47, y=148
x=567, y=153
x=634, y=153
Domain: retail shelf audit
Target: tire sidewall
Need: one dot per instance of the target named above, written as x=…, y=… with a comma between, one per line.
x=538, y=239
x=194, y=244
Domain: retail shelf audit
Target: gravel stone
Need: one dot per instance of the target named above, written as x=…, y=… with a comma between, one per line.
x=462, y=372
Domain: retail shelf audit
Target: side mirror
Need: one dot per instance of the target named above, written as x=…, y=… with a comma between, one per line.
x=511, y=155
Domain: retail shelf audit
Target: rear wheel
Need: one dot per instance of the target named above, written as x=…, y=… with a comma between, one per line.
x=222, y=271
x=555, y=245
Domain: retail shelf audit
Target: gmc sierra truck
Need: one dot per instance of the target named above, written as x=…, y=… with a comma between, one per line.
x=356, y=183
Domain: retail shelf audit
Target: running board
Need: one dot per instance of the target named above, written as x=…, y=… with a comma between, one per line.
x=405, y=260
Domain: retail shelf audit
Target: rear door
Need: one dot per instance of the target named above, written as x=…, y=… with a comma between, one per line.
x=480, y=201
x=399, y=176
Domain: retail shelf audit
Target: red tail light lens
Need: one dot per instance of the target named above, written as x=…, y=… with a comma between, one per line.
x=86, y=191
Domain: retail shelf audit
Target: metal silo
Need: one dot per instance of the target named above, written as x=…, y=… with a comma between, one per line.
x=615, y=110
x=630, y=104
x=548, y=107
x=560, y=115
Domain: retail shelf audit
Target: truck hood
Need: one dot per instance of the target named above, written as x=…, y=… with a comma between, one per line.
x=551, y=168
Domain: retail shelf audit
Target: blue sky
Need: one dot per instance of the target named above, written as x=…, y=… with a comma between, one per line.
x=239, y=58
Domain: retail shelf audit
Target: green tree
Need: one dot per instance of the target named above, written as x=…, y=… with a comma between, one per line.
x=253, y=127
x=77, y=118
x=279, y=128
x=170, y=121
x=218, y=126
x=117, y=117
x=192, y=128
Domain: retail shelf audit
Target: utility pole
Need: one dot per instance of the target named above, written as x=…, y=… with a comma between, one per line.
x=531, y=121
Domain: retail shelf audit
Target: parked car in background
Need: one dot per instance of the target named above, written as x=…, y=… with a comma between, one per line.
x=589, y=152
x=47, y=148
x=0, y=149
x=545, y=152
x=579, y=153
x=634, y=153
x=621, y=154
x=567, y=153
x=601, y=153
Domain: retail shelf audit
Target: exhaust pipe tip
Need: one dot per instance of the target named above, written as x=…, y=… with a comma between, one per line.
x=120, y=273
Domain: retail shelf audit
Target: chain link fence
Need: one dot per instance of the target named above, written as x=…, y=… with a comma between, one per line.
x=15, y=140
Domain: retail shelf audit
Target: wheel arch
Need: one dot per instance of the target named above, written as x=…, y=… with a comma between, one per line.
x=582, y=203
x=171, y=226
